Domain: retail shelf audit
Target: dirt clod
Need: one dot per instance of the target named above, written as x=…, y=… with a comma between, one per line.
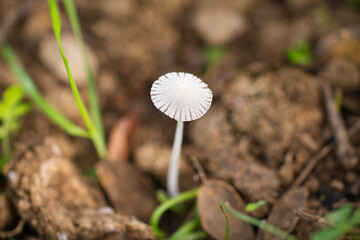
x=50, y=194
x=256, y=181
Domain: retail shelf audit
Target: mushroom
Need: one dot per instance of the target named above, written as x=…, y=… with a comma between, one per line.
x=183, y=97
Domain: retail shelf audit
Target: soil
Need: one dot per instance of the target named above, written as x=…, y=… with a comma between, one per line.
x=268, y=135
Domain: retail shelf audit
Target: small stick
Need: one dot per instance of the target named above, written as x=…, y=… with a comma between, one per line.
x=15, y=231
x=345, y=152
x=199, y=169
x=308, y=216
x=321, y=154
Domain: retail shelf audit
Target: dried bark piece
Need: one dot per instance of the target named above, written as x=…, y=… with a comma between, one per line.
x=256, y=181
x=211, y=194
x=130, y=191
x=52, y=196
x=281, y=214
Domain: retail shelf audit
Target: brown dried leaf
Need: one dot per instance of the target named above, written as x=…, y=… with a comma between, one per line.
x=129, y=190
x=119, y=139
x=211, y=194
x=280, y=215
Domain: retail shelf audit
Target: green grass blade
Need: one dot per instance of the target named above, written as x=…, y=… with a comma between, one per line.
x=192, y=236
x=161, y=209
x=261, y=224
x=227, y=229
x=94, y=133
x=28, y=85
x=91, y=87
x=185, y=229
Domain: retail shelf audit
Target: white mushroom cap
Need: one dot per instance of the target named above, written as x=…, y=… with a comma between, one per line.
x=181, y=96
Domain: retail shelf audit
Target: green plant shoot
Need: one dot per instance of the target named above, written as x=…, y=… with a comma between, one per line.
x=250, y=207
x=188, y=230
x=95, y=133
x=341, y=221
x=167, y=204
x=30, y=88
x=260, y=224
x=300, y=54
x=227, y=229
x=11, y=109
x=213, y=55
x=91, y=88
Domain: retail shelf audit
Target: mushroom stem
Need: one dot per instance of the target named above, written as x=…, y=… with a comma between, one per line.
x=173, y=172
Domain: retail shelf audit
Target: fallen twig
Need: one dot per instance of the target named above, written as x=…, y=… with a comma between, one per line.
x=321, y=154
x=308, y=216
x=345, y=152
x=199, y=169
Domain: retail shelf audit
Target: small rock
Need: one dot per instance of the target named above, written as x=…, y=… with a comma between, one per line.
x=313, y=184
x=219, y=25
x=286, y=173
x=50, y=55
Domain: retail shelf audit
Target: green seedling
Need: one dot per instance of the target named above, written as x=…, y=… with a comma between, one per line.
x=93, y=123
x=340, y=222
x=323, y=13
x=166, y=205
x=213, y=55
x=227, y=222
x=188, y=230
x=300, y=54
x=338, y=98
x=94, y=131
x=256, y=222
x=12, y=108
x=181, y=209
x=91, y=88
x=250, y=207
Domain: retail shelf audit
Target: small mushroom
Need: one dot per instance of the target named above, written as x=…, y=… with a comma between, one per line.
x=183, y=97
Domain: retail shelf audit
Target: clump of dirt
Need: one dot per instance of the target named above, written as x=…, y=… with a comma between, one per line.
x=275, y=108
